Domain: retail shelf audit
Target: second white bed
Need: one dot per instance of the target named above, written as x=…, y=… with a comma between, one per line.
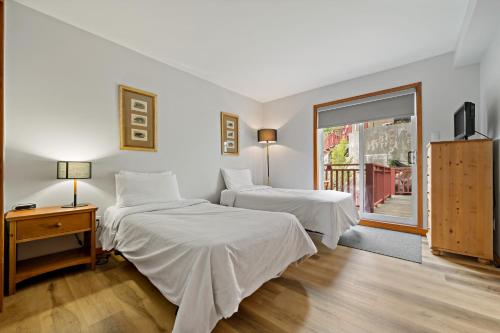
x=330, y=213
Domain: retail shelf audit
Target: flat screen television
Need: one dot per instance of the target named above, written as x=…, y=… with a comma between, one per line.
x=465, y=121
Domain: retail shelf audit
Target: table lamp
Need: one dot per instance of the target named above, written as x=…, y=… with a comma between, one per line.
x=267, y=136
x=74, y=170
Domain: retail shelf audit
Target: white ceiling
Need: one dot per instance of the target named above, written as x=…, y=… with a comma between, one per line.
x=481, y=23
x=268, y=49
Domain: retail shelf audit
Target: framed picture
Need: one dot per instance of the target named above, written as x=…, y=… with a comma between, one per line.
x=137, y=119
x=138, y=105
x=229, y=126
x=139, y=135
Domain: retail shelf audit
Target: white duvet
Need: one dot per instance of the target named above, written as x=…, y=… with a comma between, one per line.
x=202, y=257
x=330, y=213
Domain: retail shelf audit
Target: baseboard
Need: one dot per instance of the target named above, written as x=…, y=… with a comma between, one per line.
x=496, y=260
x=394, y=227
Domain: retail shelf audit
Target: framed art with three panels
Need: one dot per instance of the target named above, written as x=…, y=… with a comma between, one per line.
x=229, y=133
x=137, y=119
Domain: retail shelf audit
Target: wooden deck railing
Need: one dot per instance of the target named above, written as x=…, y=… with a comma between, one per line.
x=344, y=178
x=381, y=182
x=379, y=185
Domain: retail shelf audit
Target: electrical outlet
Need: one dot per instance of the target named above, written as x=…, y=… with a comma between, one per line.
x=98, y=218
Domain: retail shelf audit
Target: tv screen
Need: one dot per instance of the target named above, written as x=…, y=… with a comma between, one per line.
x=459, y=124
x=464, y=121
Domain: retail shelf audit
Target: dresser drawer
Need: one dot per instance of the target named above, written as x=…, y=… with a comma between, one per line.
x=52, y=226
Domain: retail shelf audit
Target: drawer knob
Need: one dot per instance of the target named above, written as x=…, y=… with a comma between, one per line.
x=58, y=224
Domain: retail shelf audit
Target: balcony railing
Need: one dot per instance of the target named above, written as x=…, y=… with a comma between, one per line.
x=381, y=182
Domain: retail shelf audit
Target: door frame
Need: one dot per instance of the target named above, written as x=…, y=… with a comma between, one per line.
x=2, y=88
x=418, y=229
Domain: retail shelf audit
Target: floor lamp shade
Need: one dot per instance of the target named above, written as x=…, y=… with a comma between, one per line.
x=267, y=135
x=74, y=170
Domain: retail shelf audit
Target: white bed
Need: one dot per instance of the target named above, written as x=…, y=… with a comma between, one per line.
x=330, y=213
x=205, y=258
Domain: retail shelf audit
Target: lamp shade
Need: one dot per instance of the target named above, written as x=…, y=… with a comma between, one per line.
x=267, y=135
x=74, y=170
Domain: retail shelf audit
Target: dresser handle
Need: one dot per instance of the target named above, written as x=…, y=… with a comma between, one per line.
x=58, y=224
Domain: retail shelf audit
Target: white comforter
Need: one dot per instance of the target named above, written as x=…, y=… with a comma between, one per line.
x=330, y=213
x=202, y=257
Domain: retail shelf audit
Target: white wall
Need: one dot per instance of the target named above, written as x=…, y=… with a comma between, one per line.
x=61, y=103
x=490, y=106
x=443, y=90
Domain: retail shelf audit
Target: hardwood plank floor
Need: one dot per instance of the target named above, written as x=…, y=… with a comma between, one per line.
x=345, y=290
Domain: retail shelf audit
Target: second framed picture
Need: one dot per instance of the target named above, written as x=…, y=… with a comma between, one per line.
x=137, y=119
x=229, y=126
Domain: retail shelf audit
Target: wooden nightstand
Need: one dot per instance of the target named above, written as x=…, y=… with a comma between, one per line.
x=43, y=223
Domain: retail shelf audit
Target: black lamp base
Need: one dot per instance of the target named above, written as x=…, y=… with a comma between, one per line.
x=73, y=206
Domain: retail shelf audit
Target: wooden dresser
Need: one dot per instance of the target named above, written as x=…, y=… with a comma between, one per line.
x=46, y=223
x=460, y=198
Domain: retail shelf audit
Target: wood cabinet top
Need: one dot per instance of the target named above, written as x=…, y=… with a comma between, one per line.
x=46, y=211
x=458, y=142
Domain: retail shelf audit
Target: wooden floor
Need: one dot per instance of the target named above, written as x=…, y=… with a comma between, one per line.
x=396, y=205
x=345, y=290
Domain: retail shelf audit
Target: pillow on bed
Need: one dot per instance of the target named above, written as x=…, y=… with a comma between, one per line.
x=133, y=189
x=235, y=178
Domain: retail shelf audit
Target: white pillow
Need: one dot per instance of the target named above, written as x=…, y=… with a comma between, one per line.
x=133, y=189
x=235, y=178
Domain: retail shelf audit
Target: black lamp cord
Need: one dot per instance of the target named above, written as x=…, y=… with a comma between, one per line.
x=78, y=240
x=101, y=259
x=487, y=137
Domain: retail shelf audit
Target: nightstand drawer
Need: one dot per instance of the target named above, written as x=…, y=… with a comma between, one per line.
x=52, y=226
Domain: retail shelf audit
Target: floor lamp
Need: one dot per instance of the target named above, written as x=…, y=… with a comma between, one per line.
x=267, y=136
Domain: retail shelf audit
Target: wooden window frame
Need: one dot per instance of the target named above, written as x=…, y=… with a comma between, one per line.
x=418, y=229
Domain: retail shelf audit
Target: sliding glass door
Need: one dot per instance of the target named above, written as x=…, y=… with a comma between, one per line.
x=374, y=159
